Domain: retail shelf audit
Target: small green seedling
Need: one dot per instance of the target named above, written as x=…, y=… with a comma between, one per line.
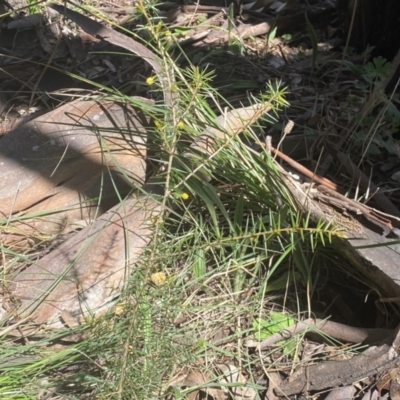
x=277, y=322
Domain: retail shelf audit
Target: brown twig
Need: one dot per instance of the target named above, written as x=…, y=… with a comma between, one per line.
x=379, y=218
x=305, y=171
x=335, y=330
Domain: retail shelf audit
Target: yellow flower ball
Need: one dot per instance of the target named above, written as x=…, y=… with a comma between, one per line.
x=158, y=125
x=119, y=309
x=150, y=80
x=158, y=278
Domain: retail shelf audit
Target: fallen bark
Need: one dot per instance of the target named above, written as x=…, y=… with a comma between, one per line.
x=84, y=274
x=74, y=162
x=330, y=374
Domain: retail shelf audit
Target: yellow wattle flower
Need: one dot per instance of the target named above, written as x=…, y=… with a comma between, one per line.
x=158, y=125
x=158, y=278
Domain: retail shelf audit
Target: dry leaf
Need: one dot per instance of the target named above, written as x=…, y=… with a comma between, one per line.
x=233, y=375
x=198, y=378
